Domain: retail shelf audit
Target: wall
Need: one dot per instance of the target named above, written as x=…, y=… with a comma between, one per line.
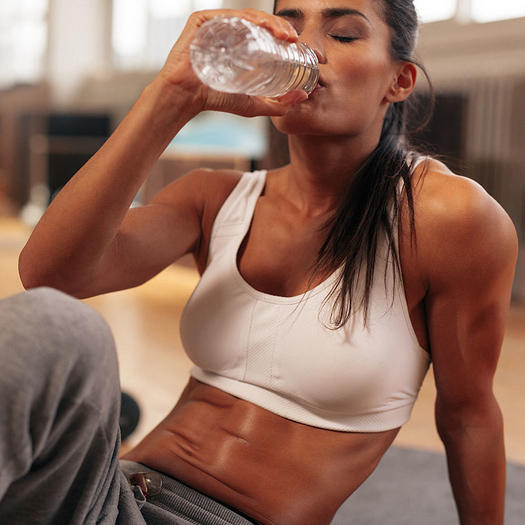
x=453, y=52
x=79, y=43
x=486, y=63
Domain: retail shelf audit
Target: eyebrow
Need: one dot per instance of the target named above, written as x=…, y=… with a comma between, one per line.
x=329, y=13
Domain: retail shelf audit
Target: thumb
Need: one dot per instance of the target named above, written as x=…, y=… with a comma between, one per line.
x=252, y=106
x=293, y=97
x=280, y=105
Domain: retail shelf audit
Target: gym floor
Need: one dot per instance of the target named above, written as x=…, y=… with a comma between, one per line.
x=154, y=368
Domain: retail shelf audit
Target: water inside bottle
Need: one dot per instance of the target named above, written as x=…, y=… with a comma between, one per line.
x=277, y=78
x=268, y=75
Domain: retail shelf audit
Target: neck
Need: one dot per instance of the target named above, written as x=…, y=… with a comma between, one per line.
x=321, y=169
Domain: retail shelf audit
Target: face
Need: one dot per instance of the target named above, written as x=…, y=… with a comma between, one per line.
x=357, y=71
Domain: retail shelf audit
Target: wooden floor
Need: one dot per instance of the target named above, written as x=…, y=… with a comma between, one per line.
x=155, y=369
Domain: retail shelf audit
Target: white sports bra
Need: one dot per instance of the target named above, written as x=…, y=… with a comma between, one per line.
x=278, y=353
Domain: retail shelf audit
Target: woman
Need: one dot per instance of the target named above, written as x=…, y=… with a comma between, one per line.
x=307, y=364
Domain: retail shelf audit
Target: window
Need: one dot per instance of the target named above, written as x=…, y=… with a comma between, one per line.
x=145, y=30
x=433, y=11
x=23, y=40
x=469, y=10
x=488, y=10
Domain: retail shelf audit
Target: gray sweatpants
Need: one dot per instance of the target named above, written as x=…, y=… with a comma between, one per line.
x=59, y=423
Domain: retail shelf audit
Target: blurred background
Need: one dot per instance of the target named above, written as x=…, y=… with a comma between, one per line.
x=71, y=69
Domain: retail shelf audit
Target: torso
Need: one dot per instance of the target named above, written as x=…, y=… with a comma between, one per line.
x=272, y=469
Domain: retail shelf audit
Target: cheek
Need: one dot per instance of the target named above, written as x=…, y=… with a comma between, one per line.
x=365, y=76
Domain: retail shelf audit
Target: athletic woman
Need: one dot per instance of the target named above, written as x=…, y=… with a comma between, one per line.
x=328, y=285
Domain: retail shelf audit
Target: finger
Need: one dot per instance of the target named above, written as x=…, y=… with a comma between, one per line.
x=249, y=106
x=289, y=29
x=288, y=32
x=293, y=97
x=279, y=27
x=274, y=106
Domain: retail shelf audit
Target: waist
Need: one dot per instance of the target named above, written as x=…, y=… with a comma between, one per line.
x=273, y=470
x=181, y=500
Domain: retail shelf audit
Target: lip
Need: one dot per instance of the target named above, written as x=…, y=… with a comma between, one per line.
x=318, y=88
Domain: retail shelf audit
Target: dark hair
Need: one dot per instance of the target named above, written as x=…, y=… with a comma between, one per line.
x=371, y=206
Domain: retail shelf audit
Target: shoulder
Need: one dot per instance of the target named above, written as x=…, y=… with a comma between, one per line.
x=444, y=199
x=460, y=228
x=215, y=187
x=204, y=182
x=201, y=189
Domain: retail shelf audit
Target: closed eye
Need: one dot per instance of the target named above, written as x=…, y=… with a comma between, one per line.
x=344, y=38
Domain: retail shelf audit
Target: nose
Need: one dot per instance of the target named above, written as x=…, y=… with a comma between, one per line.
x=314, y=44
x=319, y=53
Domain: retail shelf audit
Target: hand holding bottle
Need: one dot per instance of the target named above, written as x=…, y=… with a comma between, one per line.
x=178, y=71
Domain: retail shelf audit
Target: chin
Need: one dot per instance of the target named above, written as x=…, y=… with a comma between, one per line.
x=297, y=124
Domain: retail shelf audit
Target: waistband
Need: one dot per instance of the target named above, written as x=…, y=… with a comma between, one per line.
x=181, y=500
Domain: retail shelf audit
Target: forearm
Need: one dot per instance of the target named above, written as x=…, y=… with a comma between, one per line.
x=85, y=217
x=476, y=463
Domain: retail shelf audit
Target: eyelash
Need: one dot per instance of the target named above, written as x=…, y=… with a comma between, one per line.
x=344, y=39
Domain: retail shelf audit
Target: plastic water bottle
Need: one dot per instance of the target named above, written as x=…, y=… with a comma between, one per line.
x=234, y=55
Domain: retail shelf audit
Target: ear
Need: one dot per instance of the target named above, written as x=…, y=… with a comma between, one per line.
x=403, y=84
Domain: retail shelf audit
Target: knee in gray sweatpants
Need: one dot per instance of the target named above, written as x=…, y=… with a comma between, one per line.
x=60, y=392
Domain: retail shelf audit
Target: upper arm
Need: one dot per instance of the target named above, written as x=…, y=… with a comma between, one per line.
x=468, y=249
x=153, y=236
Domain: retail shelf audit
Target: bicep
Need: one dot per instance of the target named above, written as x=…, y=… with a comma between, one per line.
x=151, y=237
x=465, y=335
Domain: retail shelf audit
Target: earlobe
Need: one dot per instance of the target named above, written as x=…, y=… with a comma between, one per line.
x=403, y=83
